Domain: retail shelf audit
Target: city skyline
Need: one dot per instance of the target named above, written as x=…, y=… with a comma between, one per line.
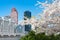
x=21, y=6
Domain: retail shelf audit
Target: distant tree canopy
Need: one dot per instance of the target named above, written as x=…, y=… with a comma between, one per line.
x=40, y=36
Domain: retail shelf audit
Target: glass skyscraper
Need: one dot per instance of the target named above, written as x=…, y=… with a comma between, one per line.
x=27, y=14
x=28, y=27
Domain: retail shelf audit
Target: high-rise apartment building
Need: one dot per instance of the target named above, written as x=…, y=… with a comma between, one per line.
x=14, y=15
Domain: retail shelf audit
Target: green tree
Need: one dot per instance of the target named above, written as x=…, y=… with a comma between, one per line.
x=40, y=36
x=29, y=36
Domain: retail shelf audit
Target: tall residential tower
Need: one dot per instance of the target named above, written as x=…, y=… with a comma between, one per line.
x=14, y=15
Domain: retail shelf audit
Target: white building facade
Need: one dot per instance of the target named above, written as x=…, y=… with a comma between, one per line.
x=9, y=30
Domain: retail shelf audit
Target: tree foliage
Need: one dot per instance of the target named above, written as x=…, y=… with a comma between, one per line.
x=40, y=36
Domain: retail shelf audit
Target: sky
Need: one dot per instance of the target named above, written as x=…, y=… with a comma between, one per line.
x=21, y=6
